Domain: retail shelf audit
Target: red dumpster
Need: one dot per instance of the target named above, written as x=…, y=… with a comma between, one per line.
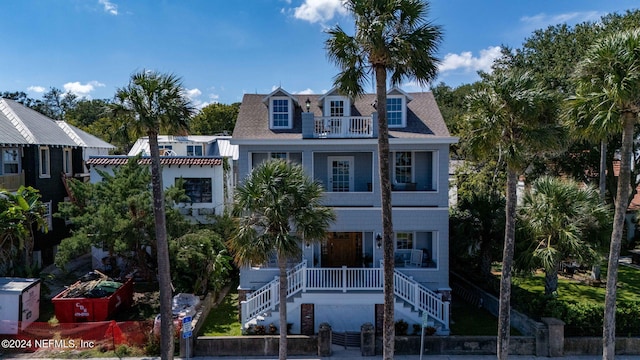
x=81, y=309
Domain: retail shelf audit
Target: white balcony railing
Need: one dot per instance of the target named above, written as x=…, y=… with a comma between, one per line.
x=301, y=278
x=343, y=127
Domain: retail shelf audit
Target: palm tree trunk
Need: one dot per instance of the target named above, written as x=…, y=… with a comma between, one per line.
x=621, y=204
x=551, y=279
x=603, y=169
x=164, y=269
x=282, y=265
x=595, y=269
x=504, y=313
x=388, y=328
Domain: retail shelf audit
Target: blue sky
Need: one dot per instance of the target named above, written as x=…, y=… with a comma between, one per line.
x=223, y=49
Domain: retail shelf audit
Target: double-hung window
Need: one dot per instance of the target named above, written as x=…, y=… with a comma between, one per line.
x=45, y=165
x=395, y=112
x=280, y=113
x=10, y=161
x=194, y=150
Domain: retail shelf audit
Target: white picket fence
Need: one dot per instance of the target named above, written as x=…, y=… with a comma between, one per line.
x=301, y=278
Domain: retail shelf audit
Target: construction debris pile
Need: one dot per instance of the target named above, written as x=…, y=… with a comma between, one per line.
x=94, y=284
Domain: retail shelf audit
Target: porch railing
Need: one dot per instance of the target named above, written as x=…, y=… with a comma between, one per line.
x=300, y=278
x=421, y=298
x=343, y=127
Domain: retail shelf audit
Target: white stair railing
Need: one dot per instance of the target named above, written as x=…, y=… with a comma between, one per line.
x=421, y=298
x=301, y=278
x=267, y=297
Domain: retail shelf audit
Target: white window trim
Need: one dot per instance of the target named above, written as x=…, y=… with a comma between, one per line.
x=404, y=111
x=67, y=164
x=435, y=155
x=290, y=112
x=17, y=162
x=48, y=162
x=327, y=105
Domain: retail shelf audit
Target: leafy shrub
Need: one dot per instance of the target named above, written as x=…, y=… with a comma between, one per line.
x=401, y=327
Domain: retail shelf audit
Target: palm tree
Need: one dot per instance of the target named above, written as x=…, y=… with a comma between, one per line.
x=155, y=102
x=391, y=37
x=277, y=206
x=607, y=101
x=511, y=118
x=563, y=219
x=21, y=213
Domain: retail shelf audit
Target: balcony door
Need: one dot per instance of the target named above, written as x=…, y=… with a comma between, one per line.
x=340, y=173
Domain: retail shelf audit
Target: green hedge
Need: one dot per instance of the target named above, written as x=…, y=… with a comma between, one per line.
x=581, y=318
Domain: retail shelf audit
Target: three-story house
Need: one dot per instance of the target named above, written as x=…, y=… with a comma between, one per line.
x=334, y=138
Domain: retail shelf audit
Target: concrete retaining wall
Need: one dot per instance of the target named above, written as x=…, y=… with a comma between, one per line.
x=302, y=345
x=593, y=346
x=459, y=345
x=266, y=345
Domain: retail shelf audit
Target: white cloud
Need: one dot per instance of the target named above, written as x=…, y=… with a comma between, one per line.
x=193, y=95
x=214, y=97
x=306, y=91
x=109, y=7
x=37, y=89
x=81, y=90
x=467, y=62
x=321, y=11
x=542, y=20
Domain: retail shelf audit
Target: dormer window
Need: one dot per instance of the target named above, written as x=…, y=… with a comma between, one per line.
x=336, y=106
x=396, y=111
x=281, y=111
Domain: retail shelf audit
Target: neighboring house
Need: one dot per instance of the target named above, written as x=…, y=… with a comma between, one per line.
x=339, y=280
x=40, y=152
x=191, y=145
x=206, y=164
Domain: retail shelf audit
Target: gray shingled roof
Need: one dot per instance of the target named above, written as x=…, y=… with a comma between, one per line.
x=423, y=117
x=20, y=125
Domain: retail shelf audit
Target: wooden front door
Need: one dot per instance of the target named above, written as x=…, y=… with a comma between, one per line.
x=342, y=249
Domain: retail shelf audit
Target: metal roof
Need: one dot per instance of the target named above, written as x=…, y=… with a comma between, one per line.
x=20, y=125
x=164, y=160
x=83, y=138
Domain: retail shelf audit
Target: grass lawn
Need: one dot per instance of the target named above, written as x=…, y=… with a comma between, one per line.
x=570, y=289
x=467, y=319
x=223, y=319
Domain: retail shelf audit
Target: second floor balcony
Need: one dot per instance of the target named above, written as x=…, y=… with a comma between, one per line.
x=343, y=127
